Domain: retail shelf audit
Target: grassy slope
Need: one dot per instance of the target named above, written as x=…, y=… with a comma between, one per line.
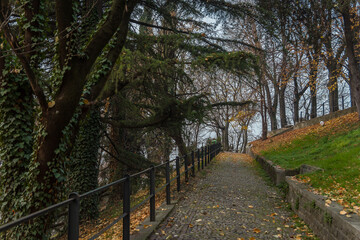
x=334, y=147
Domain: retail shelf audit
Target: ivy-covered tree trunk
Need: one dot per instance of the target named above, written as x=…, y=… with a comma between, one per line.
x=16, y=143
x=83, y=166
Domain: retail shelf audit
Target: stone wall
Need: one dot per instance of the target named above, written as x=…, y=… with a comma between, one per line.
x=326, y=222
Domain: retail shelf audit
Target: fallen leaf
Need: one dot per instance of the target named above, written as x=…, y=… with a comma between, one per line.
x=250, y=206
x=147, y=226
x=256, y=230
x=343, y=212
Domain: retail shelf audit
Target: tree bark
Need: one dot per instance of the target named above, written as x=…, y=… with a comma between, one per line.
x=352, y=54
x=282, y=106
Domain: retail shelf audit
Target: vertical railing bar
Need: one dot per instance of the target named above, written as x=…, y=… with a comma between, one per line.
x=198, y=157
x=186, y=168
x=193, y=163
x=152, y=194
x=178, y=173
x=126, y=208
x=202, y=157
x=74, y=216
x=205, y=156
x=167, y=176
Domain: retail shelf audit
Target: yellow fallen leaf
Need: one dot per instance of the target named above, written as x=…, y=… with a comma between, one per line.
x=191, y=226
x=256, y=230
x=163, y=232
x=343, y=212
x=240, y=238
x=146, y=226
x=252, y=238
x=250, y=206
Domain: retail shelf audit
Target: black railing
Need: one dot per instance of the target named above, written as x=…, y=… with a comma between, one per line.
x=324, y=108
x=204, y=155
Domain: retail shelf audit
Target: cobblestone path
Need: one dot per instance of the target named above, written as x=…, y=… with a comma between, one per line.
x=230, y=202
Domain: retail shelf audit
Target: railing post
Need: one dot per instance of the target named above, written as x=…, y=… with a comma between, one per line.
x=205, y=156
x=167, y=176
x=186, y=168
x=152, y=194
x=202, y=157
x=208, y=154
x=323, y=105
x=74, y=215
x=193, y=163
x=126, y=208
x=342, y=101
x=178, y=174
x=198, y=157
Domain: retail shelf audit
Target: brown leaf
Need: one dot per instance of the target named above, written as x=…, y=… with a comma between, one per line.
x=256, y=230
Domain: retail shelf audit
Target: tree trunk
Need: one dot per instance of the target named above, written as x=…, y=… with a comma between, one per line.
x=238, y=141
x=314, y=61
x=263, y=117
x=352, y=54
x=84, y=167
x=226, y=136
x=313, y=99
x=333, y=92
x=272, y=106
x=16, y=146
x=175, y=134
x=245, y=141
x=282, y=107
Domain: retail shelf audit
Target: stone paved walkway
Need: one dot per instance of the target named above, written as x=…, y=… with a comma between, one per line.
x=230, y=202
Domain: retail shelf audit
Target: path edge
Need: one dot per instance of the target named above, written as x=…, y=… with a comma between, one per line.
x=147, y=228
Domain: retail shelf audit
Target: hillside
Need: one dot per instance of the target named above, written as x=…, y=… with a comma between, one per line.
x=335, y=147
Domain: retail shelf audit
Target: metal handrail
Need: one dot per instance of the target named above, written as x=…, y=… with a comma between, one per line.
x=74, y=198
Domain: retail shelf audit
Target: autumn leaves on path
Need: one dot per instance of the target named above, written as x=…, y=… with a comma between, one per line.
x=230, y=201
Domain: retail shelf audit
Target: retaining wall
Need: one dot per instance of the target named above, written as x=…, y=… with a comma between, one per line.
x=325, y=221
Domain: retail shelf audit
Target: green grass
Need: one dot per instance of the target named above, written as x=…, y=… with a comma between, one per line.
x=338, y=155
